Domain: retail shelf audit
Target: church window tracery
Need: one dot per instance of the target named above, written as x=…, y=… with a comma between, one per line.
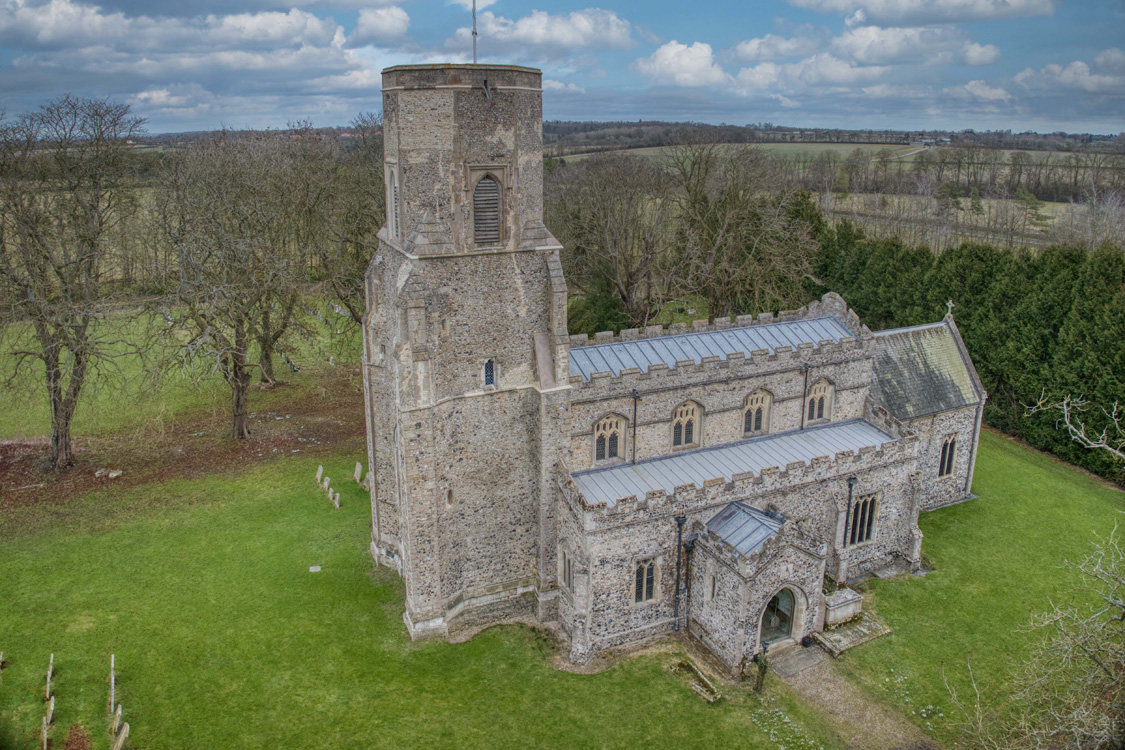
x=819, y=405
x=756, y=416
x=686, y=427
x=948, y=451
x=861, y=527
x=644, y=581
x=608, y=438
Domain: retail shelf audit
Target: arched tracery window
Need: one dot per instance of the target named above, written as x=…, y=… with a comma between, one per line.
x=486, y=211
x=821, y=396
x=756, y=415
x=609, y=438
x=948, y=451
x=686, y=427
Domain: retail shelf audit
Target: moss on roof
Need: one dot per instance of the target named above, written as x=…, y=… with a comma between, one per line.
x=923, y=370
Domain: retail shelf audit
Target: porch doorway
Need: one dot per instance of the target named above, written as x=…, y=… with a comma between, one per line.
x=777, y=620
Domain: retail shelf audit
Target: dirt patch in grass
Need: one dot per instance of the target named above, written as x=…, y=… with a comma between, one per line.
x=78, y=738
x=299, y=420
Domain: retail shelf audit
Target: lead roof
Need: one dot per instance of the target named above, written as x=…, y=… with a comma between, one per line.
x=643, y=353
x=745, y=528
x=625, y=481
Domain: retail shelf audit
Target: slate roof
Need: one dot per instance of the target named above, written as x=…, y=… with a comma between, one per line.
x=612, y=483
x=923, y=370
x=642, y=353
x=745, y=528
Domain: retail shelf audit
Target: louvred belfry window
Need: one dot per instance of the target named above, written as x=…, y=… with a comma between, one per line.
x=486, y=211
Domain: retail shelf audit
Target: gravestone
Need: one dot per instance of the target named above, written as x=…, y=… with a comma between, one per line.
x=51, y=711
x=327, y=481
x=314, y=568
x=319, y=474
x=121, y=737
x=358, y=475
x=117, y=718
x=336, y=501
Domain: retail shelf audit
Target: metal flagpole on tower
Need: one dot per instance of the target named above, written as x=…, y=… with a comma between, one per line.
x=474, y=32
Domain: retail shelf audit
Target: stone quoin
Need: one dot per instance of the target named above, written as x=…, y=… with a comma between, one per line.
x=708, y=479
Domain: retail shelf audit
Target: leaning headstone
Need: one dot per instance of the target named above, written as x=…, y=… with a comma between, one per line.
x=358, y=475
x=121, y=737
x=51, y=711
x=50, y=671
x=319, y=474
x=336, y=501
x=117, y=718
x=326, y=483
x=44, y=733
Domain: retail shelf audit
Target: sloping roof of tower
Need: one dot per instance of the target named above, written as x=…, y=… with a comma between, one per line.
x=745, y=528
x=613, y=483
x=620, y=355
x=923, y=370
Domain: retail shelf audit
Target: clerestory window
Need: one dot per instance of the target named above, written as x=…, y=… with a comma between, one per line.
x=821, y=396
x=686, y=426
x=609, y=435
x=756, y=414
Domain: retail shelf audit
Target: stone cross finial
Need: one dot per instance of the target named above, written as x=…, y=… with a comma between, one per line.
x=949, y=304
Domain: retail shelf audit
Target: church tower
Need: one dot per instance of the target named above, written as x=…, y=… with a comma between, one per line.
x=465, y=350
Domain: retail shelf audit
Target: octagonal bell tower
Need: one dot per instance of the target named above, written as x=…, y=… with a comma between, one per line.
x=466, y=349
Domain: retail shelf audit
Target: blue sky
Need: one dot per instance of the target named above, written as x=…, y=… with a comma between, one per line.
x=903, y=64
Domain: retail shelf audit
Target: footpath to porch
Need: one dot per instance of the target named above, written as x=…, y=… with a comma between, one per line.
x=862, y=722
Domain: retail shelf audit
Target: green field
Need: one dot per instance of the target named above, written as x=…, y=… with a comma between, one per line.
x=998, y=560
x=223, y=638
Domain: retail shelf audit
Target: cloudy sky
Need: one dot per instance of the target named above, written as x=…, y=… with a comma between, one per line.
x=1021, y=64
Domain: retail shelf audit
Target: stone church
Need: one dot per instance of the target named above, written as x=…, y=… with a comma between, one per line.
x=718, y=478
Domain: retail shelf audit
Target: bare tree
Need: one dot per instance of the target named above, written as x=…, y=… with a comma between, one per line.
x=64, y=186
x=611, y=211
x=1070, y=411
x=1072, y=686
x=227, y=211
x=356, y=212
x=745, y=248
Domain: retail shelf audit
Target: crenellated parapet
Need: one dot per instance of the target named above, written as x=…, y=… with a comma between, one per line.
x=831, y=304
x=887, y=422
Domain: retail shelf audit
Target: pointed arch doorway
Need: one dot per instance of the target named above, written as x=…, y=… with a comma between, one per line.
x=777, y=619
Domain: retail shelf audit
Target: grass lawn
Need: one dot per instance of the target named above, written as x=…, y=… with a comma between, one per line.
x=998, y=560
x=224, y=639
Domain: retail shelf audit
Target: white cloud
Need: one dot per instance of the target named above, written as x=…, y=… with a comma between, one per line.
x=1111, y=60
x=930, y=11
x=542, y=32
x=983, y=91
x=772, y=47
x=681, y=65
x=379, y=25
x=559, y=86
x=979, y=54
x=1077, y=75
x=822, y=70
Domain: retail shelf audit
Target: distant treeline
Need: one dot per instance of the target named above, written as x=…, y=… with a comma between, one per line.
x=563, y=137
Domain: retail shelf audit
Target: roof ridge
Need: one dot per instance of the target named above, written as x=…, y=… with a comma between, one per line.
x=906, y=329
